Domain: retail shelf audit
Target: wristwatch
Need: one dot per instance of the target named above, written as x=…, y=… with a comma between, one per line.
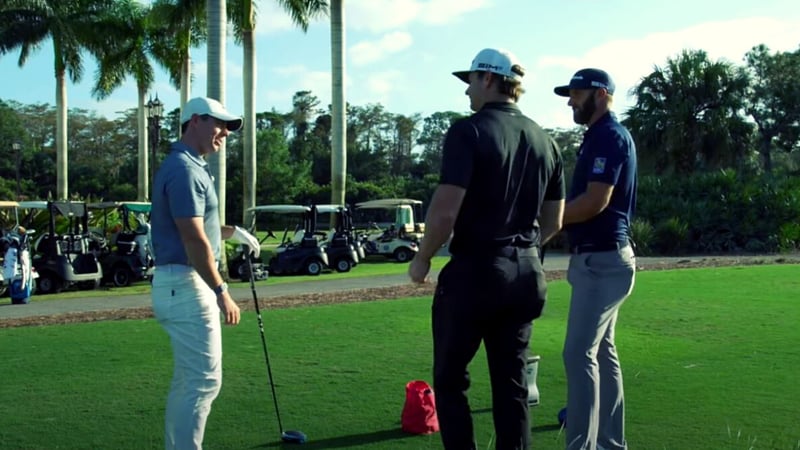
x=221, y=288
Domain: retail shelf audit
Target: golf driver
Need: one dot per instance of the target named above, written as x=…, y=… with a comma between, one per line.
x=289, y=436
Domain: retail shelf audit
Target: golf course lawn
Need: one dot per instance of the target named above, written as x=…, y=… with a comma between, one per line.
x=710, y=358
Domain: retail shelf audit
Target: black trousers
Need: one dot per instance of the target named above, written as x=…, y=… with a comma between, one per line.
x=493, y=299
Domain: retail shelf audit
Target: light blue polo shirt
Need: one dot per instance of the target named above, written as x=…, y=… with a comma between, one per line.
x=183, y=188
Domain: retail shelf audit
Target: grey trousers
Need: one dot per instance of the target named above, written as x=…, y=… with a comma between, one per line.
x=601, y=281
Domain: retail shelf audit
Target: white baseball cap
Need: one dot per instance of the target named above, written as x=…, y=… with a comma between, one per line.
x=208, y=106
x=499, y=61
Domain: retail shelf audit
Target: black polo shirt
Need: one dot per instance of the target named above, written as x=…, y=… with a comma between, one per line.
x=607, y=155
x=508, y=166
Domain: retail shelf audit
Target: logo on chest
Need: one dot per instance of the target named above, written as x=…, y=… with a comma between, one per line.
x=599, y=165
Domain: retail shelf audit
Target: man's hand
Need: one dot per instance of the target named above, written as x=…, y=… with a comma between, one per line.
x=229, y=308
x=243, y=237
x=418, y=270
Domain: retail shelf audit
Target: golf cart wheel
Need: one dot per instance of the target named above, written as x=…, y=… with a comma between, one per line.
x=313, y=267
x=343, y=265
x=121, y=276
x=48, y=283
x=403, y=254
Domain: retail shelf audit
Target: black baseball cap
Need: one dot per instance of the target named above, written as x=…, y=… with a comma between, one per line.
x=587, y=79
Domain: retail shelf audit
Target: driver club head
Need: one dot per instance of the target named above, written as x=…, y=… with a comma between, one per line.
x=293, y=437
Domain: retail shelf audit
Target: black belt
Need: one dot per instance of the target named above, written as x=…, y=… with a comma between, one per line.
x=505, y=251
x=600, y=247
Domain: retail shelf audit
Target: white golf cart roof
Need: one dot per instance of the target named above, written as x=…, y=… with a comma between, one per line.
x=387, y=203
x=322, y=209
x=281, y=209
x=34, y=204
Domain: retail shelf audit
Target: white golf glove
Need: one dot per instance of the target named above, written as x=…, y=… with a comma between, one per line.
x=243, y=237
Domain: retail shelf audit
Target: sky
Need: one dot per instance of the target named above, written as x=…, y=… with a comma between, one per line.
x=401, y=53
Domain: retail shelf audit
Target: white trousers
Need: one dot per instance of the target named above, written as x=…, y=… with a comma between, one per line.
x=187, y=309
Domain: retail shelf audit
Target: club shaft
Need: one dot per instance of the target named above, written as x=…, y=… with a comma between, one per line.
x=264, y=343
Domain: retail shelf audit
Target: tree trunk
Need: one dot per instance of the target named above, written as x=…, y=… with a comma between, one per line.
x=338, y=110
x=217, y=17
x=143, y=175
x=186, y=82
x=766, y=153
x=249, y=131
x=62, y=149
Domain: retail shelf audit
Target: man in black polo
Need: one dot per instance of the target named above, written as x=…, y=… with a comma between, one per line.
x=602, y=267
x=500, y=172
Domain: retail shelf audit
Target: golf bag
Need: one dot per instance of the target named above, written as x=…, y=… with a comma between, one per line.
x=17, y=269
x=419, y=410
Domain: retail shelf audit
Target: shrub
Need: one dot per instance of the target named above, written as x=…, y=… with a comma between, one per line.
x=643, y=235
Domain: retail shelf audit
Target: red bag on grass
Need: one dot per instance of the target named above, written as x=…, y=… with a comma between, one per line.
x=419, y=411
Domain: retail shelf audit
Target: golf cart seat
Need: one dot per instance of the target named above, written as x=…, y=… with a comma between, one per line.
x=126, y=242
x=309, y=242
x=48, y=245
x=298, y=237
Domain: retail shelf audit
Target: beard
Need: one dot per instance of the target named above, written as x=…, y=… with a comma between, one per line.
x=585, y=111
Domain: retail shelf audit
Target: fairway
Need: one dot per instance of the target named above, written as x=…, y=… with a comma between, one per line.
x=710, y=359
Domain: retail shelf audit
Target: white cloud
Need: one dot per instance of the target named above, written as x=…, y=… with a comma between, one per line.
x=271, y=18
x=629, y=60
x=291, y=79
x=368, y=52
x=382, y=15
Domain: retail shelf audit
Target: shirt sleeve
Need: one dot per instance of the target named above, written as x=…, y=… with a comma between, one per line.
x=608, y=154
x=458, y=154
x=186, y=194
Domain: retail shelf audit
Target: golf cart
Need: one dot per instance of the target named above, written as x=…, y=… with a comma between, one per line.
x=64, y=260
x=406, y=211
x=300, y=252
x=18, y=276
x=340, y=244
x=399, y=239
x=126, y=255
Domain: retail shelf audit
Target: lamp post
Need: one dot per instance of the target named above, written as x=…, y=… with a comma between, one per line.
x=155, y=110
x=18, y=153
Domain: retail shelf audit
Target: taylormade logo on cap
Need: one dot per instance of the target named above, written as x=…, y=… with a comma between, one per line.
x=499, y=61
x=208, y=106
x=587, y=79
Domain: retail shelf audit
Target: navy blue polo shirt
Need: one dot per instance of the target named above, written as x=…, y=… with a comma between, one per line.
x=607, y=155
x=509, y=166
x=183, y=188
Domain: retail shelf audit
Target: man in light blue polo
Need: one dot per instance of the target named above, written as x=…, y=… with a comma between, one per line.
x=597, y=218
x=188, y=291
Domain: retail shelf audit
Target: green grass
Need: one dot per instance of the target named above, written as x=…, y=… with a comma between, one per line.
x=373, y=266
x=710, y=358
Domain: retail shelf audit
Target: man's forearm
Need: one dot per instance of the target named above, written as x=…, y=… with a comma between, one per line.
x=580, y=209
x=201, y=258
x=437, y=232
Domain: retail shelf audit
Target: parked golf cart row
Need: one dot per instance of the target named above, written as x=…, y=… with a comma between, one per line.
x=305, y=248
x=75, y=255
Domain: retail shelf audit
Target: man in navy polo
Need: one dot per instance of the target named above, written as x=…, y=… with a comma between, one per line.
x=597, y=218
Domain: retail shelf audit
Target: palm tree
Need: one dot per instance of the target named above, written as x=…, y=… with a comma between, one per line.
x=688, y=114
x=338, y=110
x=183, y=25
x=27, y=24
x=243, y=15
x=131, y=53
x=217, y=17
